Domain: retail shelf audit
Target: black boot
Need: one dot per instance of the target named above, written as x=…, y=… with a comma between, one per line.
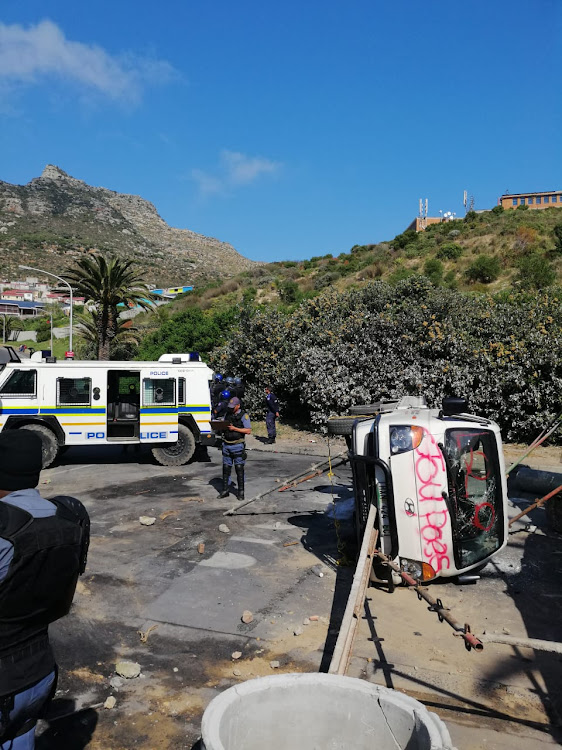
x=225, y=480
x=240, y=480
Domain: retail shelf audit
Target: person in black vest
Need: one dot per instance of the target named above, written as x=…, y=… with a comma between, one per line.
x=234, y=447
x=43, y=550
x=271, y=414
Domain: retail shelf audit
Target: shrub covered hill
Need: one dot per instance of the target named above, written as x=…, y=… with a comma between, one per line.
x=55, y=218
x=472, y=307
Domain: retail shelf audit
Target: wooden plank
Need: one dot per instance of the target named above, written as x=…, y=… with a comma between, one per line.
x=354, y=607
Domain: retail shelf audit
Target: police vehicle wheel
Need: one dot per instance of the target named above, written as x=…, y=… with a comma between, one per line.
x=178, y=453
x=49, y=440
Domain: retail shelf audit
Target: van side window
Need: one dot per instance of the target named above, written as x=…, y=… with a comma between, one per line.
x=161, y=392
x=20, y=383
x=75, y=391
x=181, y=391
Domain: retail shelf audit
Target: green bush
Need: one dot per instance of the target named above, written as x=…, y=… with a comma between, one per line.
x=450, y=251
x=498, y=210
x=486, y=268
x=535, y=272
x=433, y=269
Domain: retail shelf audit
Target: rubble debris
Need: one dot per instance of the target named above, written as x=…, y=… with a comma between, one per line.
x=247, y=617
x=306, y=621
x=290, y=544
x=147, y=520
x=128, y=669
x=110, y=702
x=116, y=683
x=143, y=634
x=313, y=618
x=224, y=528
x=236, y=654
x=201, y=548
x=298, y=631
x=168, y=513
x=318, y=570
x=274, y=664
x=236, y=672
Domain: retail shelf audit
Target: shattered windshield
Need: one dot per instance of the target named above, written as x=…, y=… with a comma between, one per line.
x=475, y=494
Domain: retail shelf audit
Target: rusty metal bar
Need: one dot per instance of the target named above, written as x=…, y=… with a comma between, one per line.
x=536, y=504
x=436, y=605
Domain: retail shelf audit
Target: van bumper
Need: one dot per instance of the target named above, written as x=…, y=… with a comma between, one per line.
x=208, y=439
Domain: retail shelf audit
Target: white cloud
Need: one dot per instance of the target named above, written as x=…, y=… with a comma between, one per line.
x=234, y=169
x=28, y=54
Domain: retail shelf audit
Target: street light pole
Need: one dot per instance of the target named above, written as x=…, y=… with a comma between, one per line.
x=48, y=273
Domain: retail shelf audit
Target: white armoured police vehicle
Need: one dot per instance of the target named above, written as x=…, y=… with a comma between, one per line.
x=164, y=404
x=438, y=479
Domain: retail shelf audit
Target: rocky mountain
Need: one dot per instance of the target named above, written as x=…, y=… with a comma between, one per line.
x=55, y=218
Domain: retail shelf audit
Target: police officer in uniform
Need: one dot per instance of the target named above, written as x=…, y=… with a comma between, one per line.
x=216, y=389
x=43, y=549
x=222, y=404
x=234, y=447
x=271, y=414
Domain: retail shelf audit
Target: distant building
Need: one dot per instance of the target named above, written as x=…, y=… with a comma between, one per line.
x=420, y=223
x=547, y=199
x=18, y=294
x=20, y=309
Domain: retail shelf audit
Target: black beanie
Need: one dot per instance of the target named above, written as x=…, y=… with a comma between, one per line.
x=21, y=458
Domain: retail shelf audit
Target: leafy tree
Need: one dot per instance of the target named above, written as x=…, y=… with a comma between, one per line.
x=535, y=272
x=407, y=237
x=449, y=251
x=9, y=326
x=433, y=269
x=108, y=281
x=44, y=328
x=486, y=268
x=498, y=210
x=470, y=216
x=190, y=330
x=289, y=292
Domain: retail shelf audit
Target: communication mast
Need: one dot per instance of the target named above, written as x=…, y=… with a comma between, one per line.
x=468, y=203
x=423, y=214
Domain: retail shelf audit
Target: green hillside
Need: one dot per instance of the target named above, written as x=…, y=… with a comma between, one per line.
x=491, y=251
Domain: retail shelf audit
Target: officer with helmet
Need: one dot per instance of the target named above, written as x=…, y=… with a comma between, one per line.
x=216, y=389
x=234, y=447
x=43, y=550
x=222, y=404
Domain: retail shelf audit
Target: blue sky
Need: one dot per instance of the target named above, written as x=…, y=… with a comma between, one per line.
x=291, y=129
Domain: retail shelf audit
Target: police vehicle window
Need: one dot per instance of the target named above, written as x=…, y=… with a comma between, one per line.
x=181, y=391
x=159, y=392
x=20, y=383
x=75, y=391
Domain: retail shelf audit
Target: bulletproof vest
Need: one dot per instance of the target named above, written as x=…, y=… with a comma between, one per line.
x=230, y=436
x=48, y=556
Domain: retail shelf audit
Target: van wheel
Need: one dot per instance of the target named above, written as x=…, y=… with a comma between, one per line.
x=49, y=440
x=176, y=454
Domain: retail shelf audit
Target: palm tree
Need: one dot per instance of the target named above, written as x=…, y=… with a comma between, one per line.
x=88, y=331
x=106, y=282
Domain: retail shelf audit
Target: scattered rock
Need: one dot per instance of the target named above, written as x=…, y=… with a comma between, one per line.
x=298, y=631
x=416, y=632
x=110, y=702
x=306, y=621
x=236, y=654
x=224, y=528
x=313, y=618
x=128, y=669
x=247, y=617
x=274, y=664
x=176, y=669
x=147, y=520
x=278, y=525
x=236, y=672
x=507, y=631
x=318, y=570
x=201, y=548
x=116, y=683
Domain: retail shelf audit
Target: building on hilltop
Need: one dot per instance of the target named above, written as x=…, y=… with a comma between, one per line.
x=546, y=199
